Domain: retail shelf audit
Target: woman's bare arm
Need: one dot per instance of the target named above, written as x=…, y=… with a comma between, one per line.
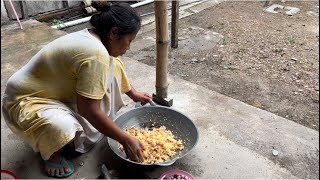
x=90, y=109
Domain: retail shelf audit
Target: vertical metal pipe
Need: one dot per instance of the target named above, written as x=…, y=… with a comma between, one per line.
x=174, y=23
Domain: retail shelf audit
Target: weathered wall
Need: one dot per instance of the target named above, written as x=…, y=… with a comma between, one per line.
x=34, y=7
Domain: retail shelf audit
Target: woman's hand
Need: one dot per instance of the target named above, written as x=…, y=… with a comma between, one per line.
x=142, y=97
x=133, y=148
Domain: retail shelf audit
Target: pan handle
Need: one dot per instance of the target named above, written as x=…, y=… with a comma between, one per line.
x=152, y=103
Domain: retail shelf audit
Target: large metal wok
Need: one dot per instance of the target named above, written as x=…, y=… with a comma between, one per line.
x=179, y=124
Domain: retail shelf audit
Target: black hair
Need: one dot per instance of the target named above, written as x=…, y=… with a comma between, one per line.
x=120, y=15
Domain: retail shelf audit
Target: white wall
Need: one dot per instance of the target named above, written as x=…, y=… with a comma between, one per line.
x=74, y=3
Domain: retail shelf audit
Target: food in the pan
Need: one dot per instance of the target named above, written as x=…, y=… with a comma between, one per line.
x=160, y=144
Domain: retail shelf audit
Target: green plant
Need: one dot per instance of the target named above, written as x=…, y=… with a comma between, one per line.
x=292, y=40
x=57, y=23
x=224, y=41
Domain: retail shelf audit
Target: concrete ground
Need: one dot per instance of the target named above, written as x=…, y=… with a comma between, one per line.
x=236, y=140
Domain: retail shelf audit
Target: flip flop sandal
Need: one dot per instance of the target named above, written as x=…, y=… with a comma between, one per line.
x=60, y=165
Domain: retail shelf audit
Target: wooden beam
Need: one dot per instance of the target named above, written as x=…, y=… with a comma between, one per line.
x=162, y=38
x=174, y=23
x=58, y=13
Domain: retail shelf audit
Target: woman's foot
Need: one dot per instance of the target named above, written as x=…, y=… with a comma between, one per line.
x=57, y=166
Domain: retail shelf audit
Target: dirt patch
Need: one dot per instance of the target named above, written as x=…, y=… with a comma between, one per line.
x=270, y=61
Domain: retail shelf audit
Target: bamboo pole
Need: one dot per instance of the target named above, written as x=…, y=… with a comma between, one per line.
x=162, y=37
